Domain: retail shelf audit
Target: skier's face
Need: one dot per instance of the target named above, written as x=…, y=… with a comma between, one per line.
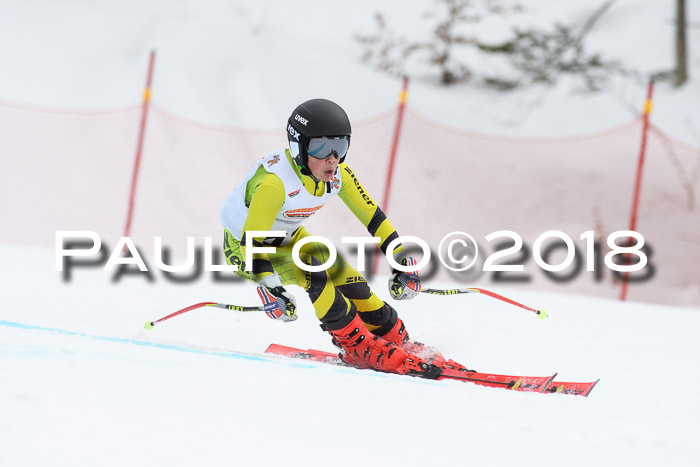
x=324, y=169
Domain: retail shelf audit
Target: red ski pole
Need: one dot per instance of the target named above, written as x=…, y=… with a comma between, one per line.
x=149, y=324
x=541, y=314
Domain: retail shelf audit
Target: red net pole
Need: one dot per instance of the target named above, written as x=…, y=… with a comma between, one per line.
x=638, y=182
x=392, y=160
x=395, y=145
x=139, y=144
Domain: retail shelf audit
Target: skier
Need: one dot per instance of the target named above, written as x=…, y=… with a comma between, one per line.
x=278, y=193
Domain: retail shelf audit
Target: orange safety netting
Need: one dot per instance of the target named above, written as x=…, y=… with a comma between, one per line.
x=71, y=170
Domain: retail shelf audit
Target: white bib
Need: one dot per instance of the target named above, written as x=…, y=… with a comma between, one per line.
x=298, y=205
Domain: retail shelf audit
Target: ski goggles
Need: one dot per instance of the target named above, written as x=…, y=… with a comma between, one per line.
x=320, y=148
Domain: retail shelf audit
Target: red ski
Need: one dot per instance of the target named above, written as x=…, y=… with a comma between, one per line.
x=576, y=389
x=515, y=383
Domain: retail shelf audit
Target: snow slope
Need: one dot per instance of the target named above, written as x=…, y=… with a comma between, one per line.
x=84, y=384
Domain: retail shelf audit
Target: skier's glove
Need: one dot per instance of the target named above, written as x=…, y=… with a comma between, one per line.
x=278, y=303
x=404, y=285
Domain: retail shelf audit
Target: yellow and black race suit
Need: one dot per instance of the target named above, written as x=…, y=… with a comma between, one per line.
x=334, y=291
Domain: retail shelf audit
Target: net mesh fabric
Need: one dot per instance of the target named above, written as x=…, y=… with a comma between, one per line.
x=72, y=170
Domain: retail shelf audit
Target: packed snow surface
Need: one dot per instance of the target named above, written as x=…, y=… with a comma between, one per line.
x=83, y=383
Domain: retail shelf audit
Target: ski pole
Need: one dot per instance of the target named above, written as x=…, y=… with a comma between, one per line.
x=149, y=324
x=541, y=314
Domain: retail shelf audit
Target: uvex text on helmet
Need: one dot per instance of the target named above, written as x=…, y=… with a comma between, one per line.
x=315, y=118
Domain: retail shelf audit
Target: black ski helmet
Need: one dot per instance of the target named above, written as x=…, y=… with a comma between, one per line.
x=315, y=118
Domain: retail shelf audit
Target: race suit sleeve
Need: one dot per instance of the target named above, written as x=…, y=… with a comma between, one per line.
x=366, y=210
x=266, y=200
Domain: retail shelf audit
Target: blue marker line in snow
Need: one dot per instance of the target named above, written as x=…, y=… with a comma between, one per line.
x=218, y=353
x=121, y=340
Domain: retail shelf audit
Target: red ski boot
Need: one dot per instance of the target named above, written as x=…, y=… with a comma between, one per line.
x=398, y=335
x=362, y=349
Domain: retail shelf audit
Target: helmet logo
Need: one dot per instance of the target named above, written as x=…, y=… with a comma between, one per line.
x=301, y=119
x=294, y=133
